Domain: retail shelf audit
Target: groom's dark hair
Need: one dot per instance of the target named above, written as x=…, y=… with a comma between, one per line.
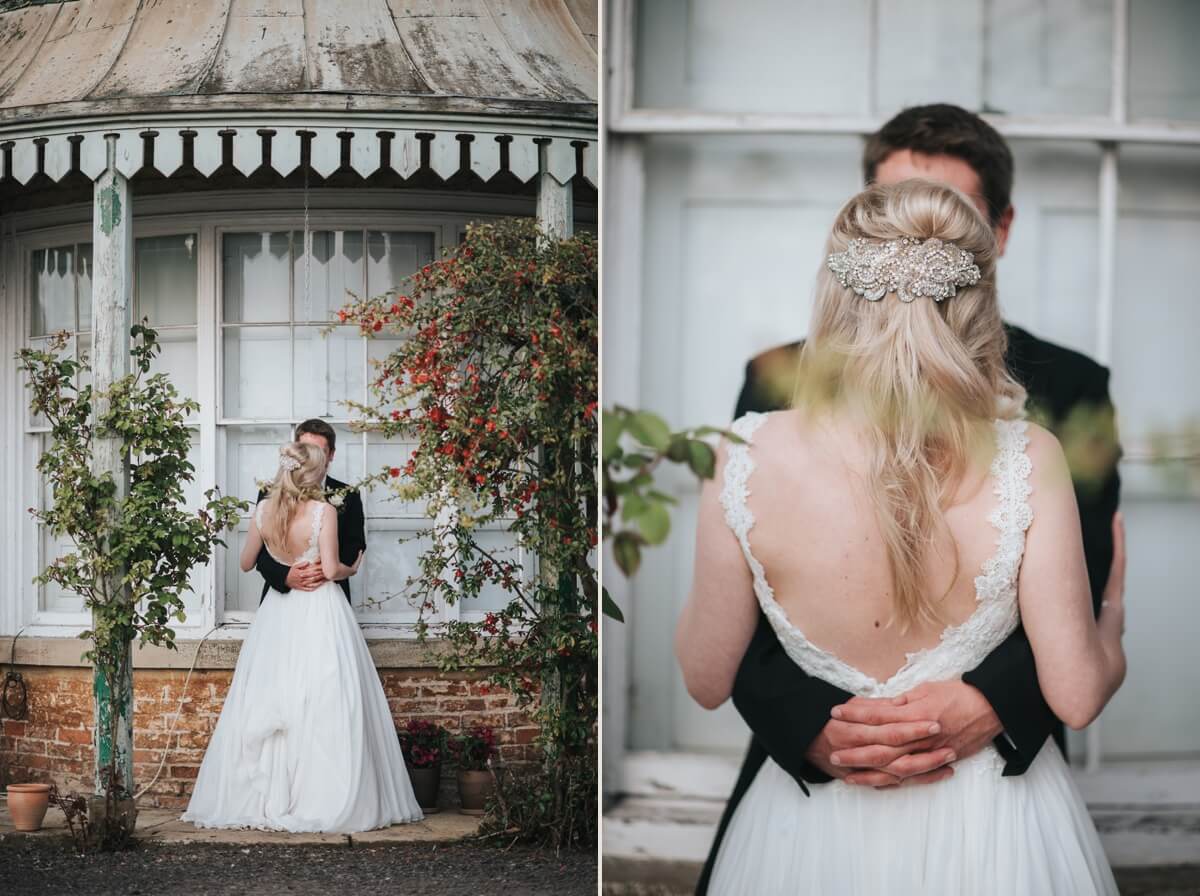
x=318, y=428
x=945, y=130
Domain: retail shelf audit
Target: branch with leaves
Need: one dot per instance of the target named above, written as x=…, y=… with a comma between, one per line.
x=145, y=542
x=635, y=444
x=493, y=382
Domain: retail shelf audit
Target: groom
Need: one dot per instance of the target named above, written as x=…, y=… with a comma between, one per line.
x=788, y=712
x=351, y=536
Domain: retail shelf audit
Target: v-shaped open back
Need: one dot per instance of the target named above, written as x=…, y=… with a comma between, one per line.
x=961, y=647
x=312, y=552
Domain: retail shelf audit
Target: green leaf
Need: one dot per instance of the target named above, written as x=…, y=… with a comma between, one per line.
x=701, y=458
x=654, y=522
x=678, y=449
x=611, y=610
x=633, y=505
x=627, y=552
x=650, y=429
x=611, y=428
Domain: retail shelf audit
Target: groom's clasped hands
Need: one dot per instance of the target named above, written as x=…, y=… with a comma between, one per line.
x=305, y=576
x=908, y=739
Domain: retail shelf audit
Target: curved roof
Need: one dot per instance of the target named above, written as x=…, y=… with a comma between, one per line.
x=95, y=57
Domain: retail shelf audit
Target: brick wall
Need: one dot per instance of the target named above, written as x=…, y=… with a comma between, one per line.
x=54, y=742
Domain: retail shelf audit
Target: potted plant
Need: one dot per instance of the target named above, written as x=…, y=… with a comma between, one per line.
x=424, y=744
x=473, y=751
x=27, y=803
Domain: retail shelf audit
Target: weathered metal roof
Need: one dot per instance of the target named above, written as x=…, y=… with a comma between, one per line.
x=87, y=58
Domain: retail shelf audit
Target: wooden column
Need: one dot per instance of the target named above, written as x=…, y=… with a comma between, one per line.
x=555, y=202
x=112, y=317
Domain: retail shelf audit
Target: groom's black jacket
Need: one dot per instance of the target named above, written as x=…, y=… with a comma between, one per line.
x=786, y=709
x=351, y=539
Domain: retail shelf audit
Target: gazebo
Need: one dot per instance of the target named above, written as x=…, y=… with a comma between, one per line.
x=230, y=170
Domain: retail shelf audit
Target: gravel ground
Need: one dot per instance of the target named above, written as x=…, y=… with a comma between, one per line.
x=50, y=868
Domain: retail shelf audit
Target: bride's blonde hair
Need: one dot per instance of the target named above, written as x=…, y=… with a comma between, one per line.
x=300, y=477
x=925, y=378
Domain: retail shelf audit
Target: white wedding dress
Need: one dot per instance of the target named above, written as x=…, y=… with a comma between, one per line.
x=973, y=833
x=305, y=740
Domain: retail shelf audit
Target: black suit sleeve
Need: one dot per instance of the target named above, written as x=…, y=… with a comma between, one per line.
x=1099, y=491
x=785, y=707
x=1008, y=680
x=269, y=568
x=352, y=536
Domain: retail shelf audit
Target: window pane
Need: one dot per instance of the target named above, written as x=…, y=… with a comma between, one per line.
x=328, y=371
x=178, y=359
x=52, y=290
x=378, y=349
x=251, y=454
x=52, y=597
x=711, y=204
x=1155, y=315
x=756, y=56
x=1049, y=57
x=256, y=365
x=379, y=500
x=336, y=266
x=387, y=566
x=83, y=268
x=166, y=279
x=393, y=256
x=242, y=589
x=929, y=51
x=1164, y=69
x=347, y=456
x=256, y=269
x=1056, y=197
x=502, y=546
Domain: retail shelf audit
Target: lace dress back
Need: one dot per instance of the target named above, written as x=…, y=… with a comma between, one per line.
x=961, y=646
x=312, y=553
x=978, y=831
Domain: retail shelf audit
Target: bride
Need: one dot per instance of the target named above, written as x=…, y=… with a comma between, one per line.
x=894, y=526
x=305, y=739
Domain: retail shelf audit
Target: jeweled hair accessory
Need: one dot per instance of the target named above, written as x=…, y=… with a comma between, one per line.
x=287, y=462
x=908, y=267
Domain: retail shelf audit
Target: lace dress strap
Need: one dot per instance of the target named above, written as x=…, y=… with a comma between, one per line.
x=734, y=492
x=258, y=508
x=318, y=511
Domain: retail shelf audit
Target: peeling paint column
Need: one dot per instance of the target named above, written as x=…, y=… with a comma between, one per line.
x=555, y=201
x=112, y=317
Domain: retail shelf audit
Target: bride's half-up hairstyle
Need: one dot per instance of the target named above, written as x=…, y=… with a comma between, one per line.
x=300, y=477
x=926, y=379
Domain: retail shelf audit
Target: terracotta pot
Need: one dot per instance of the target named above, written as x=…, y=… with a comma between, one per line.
x=425, y=783
x=27, y=803
x=474, y=790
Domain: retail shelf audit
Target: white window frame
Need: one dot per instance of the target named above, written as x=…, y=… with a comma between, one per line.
x=215, y=216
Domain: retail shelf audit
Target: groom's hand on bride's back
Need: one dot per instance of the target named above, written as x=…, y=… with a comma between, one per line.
x=889, y=741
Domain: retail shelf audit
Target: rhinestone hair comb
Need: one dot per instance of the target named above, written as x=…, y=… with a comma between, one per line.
x=287, y=462
x=908, y=267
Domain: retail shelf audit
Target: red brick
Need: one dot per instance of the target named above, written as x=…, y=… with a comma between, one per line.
x=525, y=735
x=74, y=735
